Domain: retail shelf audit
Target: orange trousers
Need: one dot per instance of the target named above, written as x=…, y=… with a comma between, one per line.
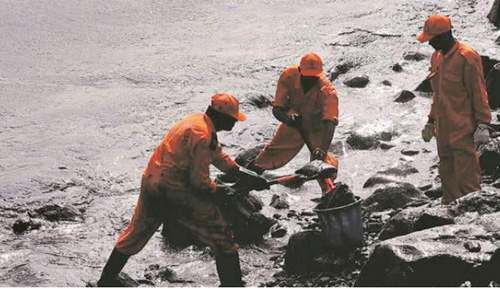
x=285, y=145
x=459, y=171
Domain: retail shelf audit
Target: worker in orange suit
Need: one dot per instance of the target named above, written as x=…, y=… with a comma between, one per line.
x=460, y=113
x=305, y=100
x=176, y=185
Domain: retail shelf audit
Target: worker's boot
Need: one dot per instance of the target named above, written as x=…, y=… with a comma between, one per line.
x=113, y=267
x=229, y=270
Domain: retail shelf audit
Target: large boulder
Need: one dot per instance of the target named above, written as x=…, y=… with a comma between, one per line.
x=435, y=214
x=394, y=196
x=493, y=86
x=309, y=251
x=443, y=256
x=494, y=14
x=415, y=219
x=489, y=160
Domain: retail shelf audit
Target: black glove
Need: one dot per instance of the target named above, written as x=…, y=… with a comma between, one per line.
x=318, y=154
x=294, y=120
x=224, y=194
x=252, y=180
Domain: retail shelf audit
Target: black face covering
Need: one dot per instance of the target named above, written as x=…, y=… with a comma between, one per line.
x=442, y=42
x=221, y=120
x=225, y=122
x=307, y=82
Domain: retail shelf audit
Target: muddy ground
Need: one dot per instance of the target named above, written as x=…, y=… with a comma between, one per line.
x=89, y=88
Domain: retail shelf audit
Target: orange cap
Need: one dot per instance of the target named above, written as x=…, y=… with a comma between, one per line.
x=228, y=104
x=434, y=25
x=311, y=65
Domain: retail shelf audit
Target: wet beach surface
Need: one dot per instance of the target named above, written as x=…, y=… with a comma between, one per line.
x=88, y=89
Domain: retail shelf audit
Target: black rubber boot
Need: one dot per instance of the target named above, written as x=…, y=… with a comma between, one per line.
x=229, y=270
x=113, y=267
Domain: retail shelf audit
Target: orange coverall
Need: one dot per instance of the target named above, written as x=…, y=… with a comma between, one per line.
x=459, y=104
x=179, y=165
x=318, y=104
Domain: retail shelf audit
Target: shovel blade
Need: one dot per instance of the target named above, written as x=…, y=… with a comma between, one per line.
x=316, y=169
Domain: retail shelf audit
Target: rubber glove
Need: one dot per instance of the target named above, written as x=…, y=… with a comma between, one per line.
x=481, y=135
x=428, y=132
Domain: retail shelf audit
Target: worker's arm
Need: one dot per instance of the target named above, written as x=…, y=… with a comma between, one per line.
x=199, y=171
x=476, y=88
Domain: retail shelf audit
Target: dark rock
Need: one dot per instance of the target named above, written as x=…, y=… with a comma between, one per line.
x=482, y=202
x=386, y=145
x=247, y=156
x=341, y=197
x=277, y=231
x=493, y=86
x=363, y=140
x=424, y=217
x=259, y=100
x=307, y=214
x=404, y=96
x=488, y=64
x=357, y=82
x=433, y=218
x=386, y=83
x=54, y=213
x=418, y=259
x=279, y=203
x=341, y=69
x=377, y=180
x=373, y=227
x=408, y=152
x=497, y=41
x=434, y=193
x=154, y=272
x=397, y=67
x=494, y=14
x=472, y=246
x=425, y=187
x=338, y=148
x=401, y=170
x=277, y=216
x=394, y=196
x=413, y=55
x=424, y=86
x=26, y=224
x=300, y=249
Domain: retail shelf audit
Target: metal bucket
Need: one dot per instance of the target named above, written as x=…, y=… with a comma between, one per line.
x=342, y=225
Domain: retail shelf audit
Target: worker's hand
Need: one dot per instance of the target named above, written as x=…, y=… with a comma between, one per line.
x=481, y=135
x=252, y=180
x=428, y=132
x=223, y=194
x=318, y=154
x=294, y=120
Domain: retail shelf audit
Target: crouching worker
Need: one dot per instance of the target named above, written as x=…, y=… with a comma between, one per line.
x=306, y=104
x=176, y=185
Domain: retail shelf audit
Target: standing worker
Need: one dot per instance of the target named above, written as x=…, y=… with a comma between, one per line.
x=460, y=114
x=307, y=105
x=176, y=185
